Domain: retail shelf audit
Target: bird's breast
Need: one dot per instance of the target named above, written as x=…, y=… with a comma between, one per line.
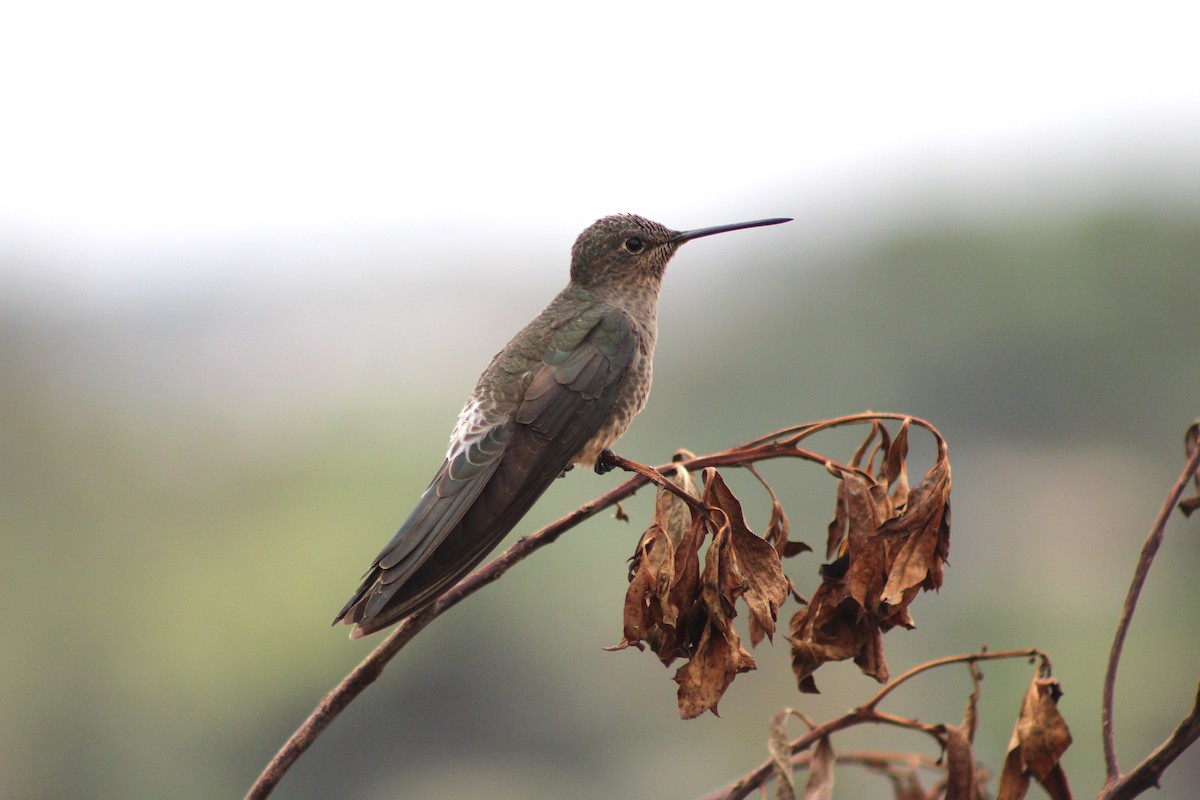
x=629, y=403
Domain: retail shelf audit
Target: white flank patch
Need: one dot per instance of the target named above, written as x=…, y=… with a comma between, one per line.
x=472, y=424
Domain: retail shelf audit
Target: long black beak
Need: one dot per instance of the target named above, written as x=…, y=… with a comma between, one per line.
x=687, y=236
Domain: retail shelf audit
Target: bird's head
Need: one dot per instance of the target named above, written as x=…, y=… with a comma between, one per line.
x=628, y=249
x=622, y=248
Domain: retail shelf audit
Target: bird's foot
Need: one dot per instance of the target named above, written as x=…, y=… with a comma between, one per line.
x=566, y=469
x=606, y=462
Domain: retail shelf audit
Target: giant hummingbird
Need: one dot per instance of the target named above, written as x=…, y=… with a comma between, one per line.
x=559, y=394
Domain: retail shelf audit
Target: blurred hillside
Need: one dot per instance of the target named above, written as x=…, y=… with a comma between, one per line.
x=192, y=484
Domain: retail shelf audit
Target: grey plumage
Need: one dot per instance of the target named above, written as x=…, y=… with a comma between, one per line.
x=561, y=391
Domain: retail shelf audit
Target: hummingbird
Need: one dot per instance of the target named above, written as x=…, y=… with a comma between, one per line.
x=558, y=395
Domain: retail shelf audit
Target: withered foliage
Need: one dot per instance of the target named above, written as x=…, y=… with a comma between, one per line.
x=886, y=543
x=961, y=781
x=820, y=772
x=1038, y=742
x=1191, y=441
x=684, y=611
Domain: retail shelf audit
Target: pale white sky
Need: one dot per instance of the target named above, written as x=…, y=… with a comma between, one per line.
x=149, y=125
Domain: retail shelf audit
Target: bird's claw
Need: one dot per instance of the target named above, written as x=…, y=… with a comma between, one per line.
x=605, y=462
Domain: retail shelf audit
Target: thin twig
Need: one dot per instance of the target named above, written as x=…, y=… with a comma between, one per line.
x=1149, y=549
x=966, y=658
x=894, y=766
x=1146, y=774
x=336, y=701
x=796, y=433
x=877, y=759
x=971, y=715
x=865, y=714
x=1191, y=443
x=748, y=782
x=654, y=476
x=372, y=666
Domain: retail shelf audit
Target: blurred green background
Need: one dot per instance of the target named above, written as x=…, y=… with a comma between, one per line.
x=192, y=488
x=255, y=255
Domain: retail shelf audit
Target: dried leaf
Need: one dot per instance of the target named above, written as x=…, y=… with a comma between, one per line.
x=887, y=542
x=1191, y=440
x=877, y=430
x=907, y=786
x=659, y=595
x=865, y=576
x=795, y=549
x=895, y=474
x=1038, y=742
x=719, y=657
x=685, y=586
x=971, y=716
x=751, y=566
x=709, y=672
x=825, y=630
x=679, y=620
x=960, y=766
x=672, y=513
x=683, y=610
x=869, y=658
x=767, y=587
x=643, y=581
x=837, y=527
x=778, y=530
x=820, y=772
x=924, y=528
x=780, y=749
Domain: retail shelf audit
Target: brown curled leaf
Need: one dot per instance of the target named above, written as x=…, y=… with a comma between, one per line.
x=820, y=772
x=709, y=672
x=1191, y=441
x=961, y=782
x=827, y=630
x=780, y=749
x=1038, y=742
x=895, y=473
x=643, y=581
x=751, y=569
x=664, y=577
x=924, y=527
x=865, y=576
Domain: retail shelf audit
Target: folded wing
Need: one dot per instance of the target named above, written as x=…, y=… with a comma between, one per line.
x=499, y=464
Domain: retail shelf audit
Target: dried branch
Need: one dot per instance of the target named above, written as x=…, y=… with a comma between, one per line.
x=336, y=701
x=613, y=461
x=867, y=714
x=881, y=760
x=782, y=444
x=743, y=786
x=967, y=658
x=1148, y=772
x=1191, y=443
x=372, y=666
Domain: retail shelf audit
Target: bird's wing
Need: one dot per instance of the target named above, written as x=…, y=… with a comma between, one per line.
x=497, y=467
x=573, y=393
x=463, y=475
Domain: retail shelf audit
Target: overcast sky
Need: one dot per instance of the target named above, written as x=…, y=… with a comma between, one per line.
x=155, y=126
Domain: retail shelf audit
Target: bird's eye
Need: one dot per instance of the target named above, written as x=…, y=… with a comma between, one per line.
x=634, y=245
